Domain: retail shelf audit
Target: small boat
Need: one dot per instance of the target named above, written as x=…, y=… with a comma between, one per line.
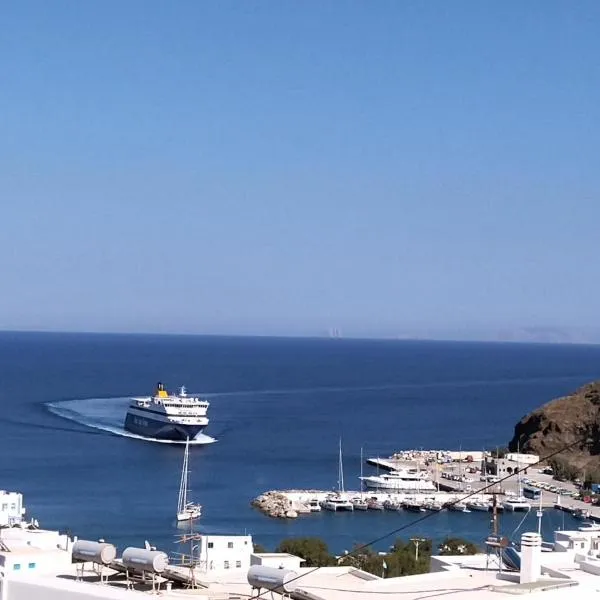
x=459, y=506
x=516, y=504
x=413, y=506
x=374, y=504
x=186, y=511
x=581, y=513
x=433, y=506
x=313, y=505
x=391, y=505
x=589, y=526
x=359, y=504
x=478, y=505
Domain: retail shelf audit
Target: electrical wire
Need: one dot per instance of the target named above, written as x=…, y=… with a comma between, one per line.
x=431, y=515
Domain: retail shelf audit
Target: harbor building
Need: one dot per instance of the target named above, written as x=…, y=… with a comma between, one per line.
x=511, y=463
x=224, y=553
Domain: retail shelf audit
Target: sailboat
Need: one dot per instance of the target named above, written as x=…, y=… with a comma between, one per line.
x=360, y=503
x=517, y=502
x=186, y=511
x=337, y=501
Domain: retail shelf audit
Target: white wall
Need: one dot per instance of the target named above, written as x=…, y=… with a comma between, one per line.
x=34, y=589
x=277, y=560
x=523, y=459
x=29, y=562
x=11, y=507
x=225, y=553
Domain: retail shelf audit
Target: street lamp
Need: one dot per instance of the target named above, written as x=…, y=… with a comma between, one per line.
x=417, y=541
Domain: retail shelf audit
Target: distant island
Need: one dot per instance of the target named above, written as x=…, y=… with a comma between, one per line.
x=573, y=419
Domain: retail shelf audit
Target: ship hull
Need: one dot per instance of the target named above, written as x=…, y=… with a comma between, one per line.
x=153, y=428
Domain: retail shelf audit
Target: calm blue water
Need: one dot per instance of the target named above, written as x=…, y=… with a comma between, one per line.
x=278, y=407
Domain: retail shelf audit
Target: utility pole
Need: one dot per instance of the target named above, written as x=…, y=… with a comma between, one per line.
x=417, y=541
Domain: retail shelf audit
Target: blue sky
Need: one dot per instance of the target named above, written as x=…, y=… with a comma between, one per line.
x=388, y=168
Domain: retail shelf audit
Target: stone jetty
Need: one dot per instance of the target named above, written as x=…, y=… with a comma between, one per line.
x=279, y=505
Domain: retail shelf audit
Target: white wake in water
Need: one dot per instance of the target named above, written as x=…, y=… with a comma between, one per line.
x=108, y=414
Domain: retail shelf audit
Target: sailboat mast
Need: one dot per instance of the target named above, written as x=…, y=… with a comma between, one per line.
x=182, y=501
x=361, y=472
x=341, y=467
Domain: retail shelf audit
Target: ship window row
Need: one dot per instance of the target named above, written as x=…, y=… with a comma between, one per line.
x=177, y=405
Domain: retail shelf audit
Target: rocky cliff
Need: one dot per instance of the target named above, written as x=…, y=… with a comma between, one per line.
x=561, y=422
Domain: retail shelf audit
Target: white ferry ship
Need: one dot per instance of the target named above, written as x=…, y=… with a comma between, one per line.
x=167, y=417
x=401, y=480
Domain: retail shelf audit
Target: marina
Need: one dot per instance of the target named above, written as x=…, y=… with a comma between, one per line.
x=412, y=482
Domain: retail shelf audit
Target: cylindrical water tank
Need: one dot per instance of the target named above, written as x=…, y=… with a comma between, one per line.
x=97, y=552
x=145, y=560
x=276, y=580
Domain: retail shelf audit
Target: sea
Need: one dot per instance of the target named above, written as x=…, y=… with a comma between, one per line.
x=279, y=407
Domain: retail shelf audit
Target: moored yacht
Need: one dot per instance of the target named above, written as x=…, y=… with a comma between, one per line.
x=335, y=502
x=413, y=505
x=478, y=505
x=375, y=504
x=516, y=503
x=392, y=505
x=167, y=417
x=459, y=506
x=402, y=480
x=359, y=504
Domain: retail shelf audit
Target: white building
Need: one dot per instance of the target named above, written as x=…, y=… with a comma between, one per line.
x=505, y=466
x=11, y=508
x=225, y=553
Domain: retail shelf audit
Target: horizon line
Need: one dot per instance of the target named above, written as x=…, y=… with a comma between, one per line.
x=323, y=336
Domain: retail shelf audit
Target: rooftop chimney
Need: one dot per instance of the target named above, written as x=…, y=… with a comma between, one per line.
x=531, y=557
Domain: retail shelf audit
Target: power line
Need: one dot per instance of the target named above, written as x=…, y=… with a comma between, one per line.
x=432, y=515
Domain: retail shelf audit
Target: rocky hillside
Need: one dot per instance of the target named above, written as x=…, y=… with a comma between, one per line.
x=563, y=421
